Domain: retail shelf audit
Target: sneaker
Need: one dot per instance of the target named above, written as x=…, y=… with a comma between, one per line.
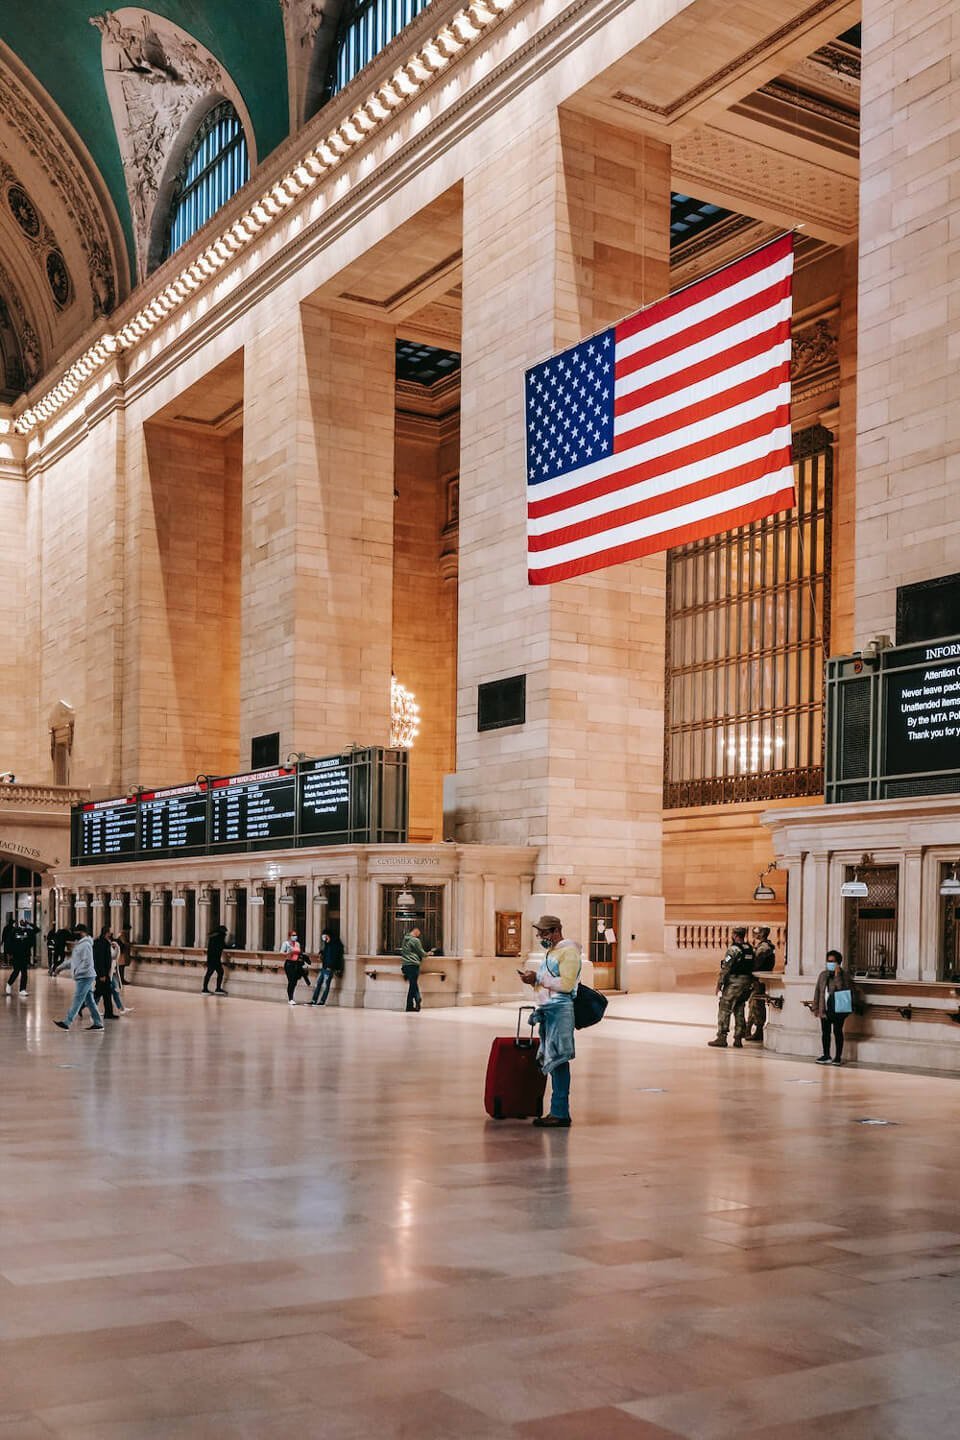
x=823, y=1060
x=218, y=992
x=206, y=992
x=96, y=1027
x=9, y=991
x=717, y=1044
x=738, y=1044
x=291, y=1002
x=61, y=1024
x=551, y=1122
x=836, y=1062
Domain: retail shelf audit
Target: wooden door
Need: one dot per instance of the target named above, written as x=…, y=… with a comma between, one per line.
x=604, y=945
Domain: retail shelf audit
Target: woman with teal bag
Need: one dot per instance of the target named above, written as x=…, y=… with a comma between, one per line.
x=833, y=1001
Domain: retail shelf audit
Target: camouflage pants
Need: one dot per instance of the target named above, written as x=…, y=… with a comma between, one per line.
x=733, y=999
x=757, y=1014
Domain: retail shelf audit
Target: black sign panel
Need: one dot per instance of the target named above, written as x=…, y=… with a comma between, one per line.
x=105, y=830
x=173, y=822
x=256, y=811
x=922, y=712
x=325, y=798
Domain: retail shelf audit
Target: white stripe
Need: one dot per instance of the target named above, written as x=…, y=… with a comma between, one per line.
x=662, y=484
x=705, y=349
x=666, y=520
x=703, y=309
x=703, y=389
x=767, y=404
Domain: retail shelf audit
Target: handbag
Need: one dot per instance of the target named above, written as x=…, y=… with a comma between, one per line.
x=843, y=1002
x=588, y=1007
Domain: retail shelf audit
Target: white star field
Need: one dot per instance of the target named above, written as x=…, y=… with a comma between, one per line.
x=570, y=409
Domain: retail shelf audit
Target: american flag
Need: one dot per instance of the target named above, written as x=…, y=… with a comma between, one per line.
x=672, y=425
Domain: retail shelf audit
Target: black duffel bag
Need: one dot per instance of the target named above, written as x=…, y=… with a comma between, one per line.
x=588, y=1007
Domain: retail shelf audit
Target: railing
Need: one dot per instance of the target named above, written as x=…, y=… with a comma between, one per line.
x=710, y=935
x=16, y=796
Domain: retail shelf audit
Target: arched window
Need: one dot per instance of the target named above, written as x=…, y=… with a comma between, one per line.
x=366, y=26
x=214, y=168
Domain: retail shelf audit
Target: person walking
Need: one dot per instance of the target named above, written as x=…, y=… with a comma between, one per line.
x=116, y=978
x=293, y=966
x=764, y=959
x=102, y=964
x=51, y=941
x=84, y=974
x=21, y=949
x=60, y=942
x=555, y=983
x=331, y=963
x=412, y=956
x=733, y=987
x=216, y=944
x=834, y=996
x=123, y=940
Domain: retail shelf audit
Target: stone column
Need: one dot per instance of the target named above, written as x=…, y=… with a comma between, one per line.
x=230, y=907
x=255, y=917
x=316, y=617
x=99, y=914
x=488, y=921
x=910, y=924
x=179, y=916
x=203, y=915
x=565, y=230
x=908, y=452
x=156, y=914
x=136, y=914
x=317, y=906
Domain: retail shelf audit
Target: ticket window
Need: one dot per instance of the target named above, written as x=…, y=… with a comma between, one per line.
x=397, y=920
x=604, y=940
x=949, y=967
x=269, y=941
x=166, y=918
x=239, y=938
x=190, y=919
x=143, y=918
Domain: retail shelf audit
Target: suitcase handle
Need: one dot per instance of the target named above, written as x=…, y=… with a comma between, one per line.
x=528, y=1040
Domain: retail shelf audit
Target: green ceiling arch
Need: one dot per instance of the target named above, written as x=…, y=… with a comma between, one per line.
x=55, y=40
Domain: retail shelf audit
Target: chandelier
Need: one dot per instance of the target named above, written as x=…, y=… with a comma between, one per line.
x=404, y=716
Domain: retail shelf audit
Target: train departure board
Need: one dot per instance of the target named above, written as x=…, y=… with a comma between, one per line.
x=105, y=830
x=358, y=797
x=254, y=812
x=173, y=822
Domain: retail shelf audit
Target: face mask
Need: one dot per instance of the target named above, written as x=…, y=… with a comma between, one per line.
x=546, y=944
x=831, y=964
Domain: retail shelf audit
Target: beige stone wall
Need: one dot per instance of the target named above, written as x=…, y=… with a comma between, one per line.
x=908, y=498
x=16, y=624
x=582, y=778
x=317, y=586
x=425, y=608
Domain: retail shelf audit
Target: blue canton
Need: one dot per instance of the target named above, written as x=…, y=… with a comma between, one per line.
x=570, y=409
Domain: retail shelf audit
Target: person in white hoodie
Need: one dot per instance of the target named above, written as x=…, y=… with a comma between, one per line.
x=84, y=975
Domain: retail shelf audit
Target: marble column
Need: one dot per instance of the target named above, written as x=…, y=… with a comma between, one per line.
x=565, y=230
x=255, y=917
x=203, y=915
x=318, y=447
x=156, y=914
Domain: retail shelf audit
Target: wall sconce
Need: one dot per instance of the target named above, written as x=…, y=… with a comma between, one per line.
x=951, y=885
x=856, y=889
x=764, y=892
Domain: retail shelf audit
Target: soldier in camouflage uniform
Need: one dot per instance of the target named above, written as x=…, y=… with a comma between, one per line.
x=764, y=958
x=734, y=987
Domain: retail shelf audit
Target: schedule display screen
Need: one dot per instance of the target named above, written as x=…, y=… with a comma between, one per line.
x=173, y=822
x=356, y=798
x=106, y=829
x=256, y=811
x=325, y=798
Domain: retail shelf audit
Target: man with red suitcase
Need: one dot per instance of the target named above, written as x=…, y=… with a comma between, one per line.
x=555, y=982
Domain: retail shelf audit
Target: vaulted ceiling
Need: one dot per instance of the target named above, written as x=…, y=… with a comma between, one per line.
x=91, y=104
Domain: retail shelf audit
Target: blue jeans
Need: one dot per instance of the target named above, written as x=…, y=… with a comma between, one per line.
x=560, y=1091
x=83, y=995
x=115, y=992
x=322, y=988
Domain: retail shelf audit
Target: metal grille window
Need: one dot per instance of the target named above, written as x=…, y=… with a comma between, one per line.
x=366, y=27
x=871, y=923
x=215, y=166
x=427, y=913
x=748, y=625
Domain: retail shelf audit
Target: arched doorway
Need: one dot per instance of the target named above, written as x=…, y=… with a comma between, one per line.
x=21, y=895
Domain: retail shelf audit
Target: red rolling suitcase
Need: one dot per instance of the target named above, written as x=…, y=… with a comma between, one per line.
x=515, y=1082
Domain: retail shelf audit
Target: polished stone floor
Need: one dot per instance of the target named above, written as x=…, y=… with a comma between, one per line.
x=226, y=1219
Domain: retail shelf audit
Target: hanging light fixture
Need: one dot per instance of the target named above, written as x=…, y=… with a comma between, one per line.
x=951, y=885
x=406, y=900
x=765, y=892
x=404, y=716
x=856, y=889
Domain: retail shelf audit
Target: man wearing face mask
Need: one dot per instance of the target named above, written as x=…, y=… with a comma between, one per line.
x=556, y=985
x=832, y=979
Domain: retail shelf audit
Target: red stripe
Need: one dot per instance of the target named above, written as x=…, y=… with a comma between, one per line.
x=662, y=504
x=705, y=289
x=754, y=348
x=650, y=469
x=716, y=404
x=666, y=540
x=720, y=320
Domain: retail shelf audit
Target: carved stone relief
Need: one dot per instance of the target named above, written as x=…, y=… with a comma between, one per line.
x=303, y=21
x=21, y=347
x=159, y=82
x=35, y=138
